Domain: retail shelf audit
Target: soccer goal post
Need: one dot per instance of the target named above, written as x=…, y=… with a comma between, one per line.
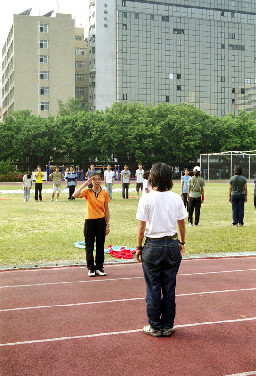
x=220, y=166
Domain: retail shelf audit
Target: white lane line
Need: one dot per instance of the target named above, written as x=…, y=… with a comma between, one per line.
x=119, y=300
x=121, y=332
x=243, y=374
x=123, y=278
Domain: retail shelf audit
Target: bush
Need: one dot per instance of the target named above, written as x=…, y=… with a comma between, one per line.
x=6, y=167
x=11, y=177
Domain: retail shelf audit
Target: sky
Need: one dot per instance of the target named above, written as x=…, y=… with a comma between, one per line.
x=78, y=9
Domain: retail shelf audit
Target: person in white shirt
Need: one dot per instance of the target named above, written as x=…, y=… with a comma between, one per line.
x=109, y=180
x=139, y=180
x=146, y=185
x=125, y=181
x=27, y=185
x=159, y=212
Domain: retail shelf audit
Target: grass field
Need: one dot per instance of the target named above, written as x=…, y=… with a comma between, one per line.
x=46, y=231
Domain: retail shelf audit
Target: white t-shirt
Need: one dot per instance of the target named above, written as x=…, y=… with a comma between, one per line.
x=26, y=181
x=146, y=185
x=139, y=175
x=109, y=176
x=161, y=210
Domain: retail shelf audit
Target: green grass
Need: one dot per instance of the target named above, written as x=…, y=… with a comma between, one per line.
x=46, y=232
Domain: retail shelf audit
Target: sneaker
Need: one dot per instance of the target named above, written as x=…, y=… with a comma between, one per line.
x=234, y=224
x=190, y=225
x=198, y=224
x=100, y=272
x=91, y=273
x=57, y=199
x=152, y=332
x=51, y=199
x=167, y=332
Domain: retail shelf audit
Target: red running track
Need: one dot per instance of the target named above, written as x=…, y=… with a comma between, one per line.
x=61, y=322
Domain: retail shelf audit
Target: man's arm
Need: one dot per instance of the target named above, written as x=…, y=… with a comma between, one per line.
x=182, y=231
x=229, y=192
x=182, y=182
x=245, y=189
x=140, y=236
x=189, y=188
x=202, y=193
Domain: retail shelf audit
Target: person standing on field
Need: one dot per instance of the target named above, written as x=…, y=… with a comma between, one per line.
x=39, y=183
x=159, y=212
x=109, y=180
x=125, y=180
x=195, y=196
x=184, y=187
x=139, y=180
x=238, y=196
x=71, y=178
x=27, y=185
x=254, y=196
x=57, y=178
x=96, y=224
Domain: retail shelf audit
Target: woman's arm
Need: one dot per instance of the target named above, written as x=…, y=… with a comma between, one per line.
x=140, y=236
x=182, y=231
x=77, y=193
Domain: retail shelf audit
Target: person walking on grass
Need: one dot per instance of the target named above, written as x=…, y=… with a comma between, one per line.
x=238, y=196
x=39, y=183
x=158, y=213
x=71, y=179
x=195, y=196
x=184, y=187
x=96, y=224
x=109, y=180
x=139, y=180
x=125, y=180
x=27, y=185
x=57, y=178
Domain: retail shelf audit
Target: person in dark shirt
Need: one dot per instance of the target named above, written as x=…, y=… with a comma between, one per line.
x=238, y=196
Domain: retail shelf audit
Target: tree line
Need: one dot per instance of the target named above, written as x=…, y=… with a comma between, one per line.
x=124, y=133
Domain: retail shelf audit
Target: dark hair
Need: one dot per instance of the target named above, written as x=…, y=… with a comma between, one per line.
x=196, y=173
x=94, y=174
x=161, y=177
x=185, y=169
x=58, y=167
x=238, y=171
x=126, y=165
x=146, y=175
x=38, y=166
x=28, y=176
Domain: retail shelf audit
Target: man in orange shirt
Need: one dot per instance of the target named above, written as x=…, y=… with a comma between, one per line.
x=96, y=222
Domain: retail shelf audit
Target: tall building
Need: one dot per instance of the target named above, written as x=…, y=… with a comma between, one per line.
x=41, y=60
x=180, y=51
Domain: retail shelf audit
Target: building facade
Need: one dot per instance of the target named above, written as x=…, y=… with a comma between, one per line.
x=39, y=63
x=182, y=51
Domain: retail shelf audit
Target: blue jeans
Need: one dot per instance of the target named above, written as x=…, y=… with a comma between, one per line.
x=161, y=260
x=238, y=209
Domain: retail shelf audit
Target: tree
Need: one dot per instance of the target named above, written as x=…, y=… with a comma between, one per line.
x=72, y=106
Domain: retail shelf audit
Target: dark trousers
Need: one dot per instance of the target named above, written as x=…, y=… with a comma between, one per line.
x=194, y=203
x=185, y=199
x=71, y=190
x=38, y=190
x=255, y=199
x=125, y=188
x=94, y=229
x=160, y=261
x=238, y=209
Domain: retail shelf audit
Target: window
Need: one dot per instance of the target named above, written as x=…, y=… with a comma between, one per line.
x=222, y=13
x=43, y=28
x=43, y=75
x=178, y=31
x=124, y=97
x=223, y=46
x=167, y=98
x=165, y=18
x=123, y=3
x=125, y=14
x=124, y=26
x=44, y=91
x=247, y=80
x=43, y=106
x=232, y=14
x=242, y=91
x=80, y=90
x=79, y=64
x=43, y=43
x=233, y=101
x=137, y=16
x=222, y=79
x=233, y=90
x=152, y=17
x=43, y=59
x=77, y=37
x=79, y=77
x=178, y=87
x=79, y=51
x=232, y=36
x=178, y=76
x=93, y=50
x=236, y=47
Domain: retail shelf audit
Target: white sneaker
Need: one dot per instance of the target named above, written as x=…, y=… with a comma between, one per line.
x=100, y=272
x=57, y=199
x=190, y=225
x=91, y=273
x=51, y=199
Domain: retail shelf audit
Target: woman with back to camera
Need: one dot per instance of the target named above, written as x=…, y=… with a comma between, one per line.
x=158, y=213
